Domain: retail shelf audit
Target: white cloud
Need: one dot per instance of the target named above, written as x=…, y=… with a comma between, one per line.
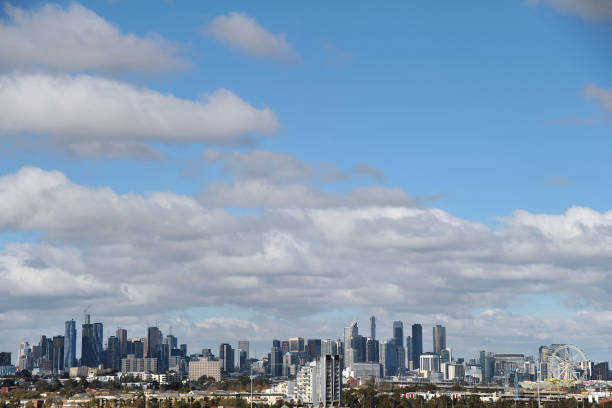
x=594, y=10
x=92, y=115
x=602, y=95
x=76, y=38
x=242, y=32
x=137, y=258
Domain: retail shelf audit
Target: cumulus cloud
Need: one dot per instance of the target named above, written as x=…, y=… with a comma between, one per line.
x=92, y=115
x=595, y=10
x=136, y=257
x=76, y=38
x=240, y=31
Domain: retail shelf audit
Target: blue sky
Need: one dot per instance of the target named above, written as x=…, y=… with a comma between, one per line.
x=477, y=109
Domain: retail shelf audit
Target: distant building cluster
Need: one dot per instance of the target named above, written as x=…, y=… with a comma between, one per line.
x=314, y=369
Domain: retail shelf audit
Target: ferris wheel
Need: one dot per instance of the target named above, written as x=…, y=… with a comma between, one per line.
x=568, y=362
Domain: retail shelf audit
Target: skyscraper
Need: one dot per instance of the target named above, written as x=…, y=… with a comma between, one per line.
x=58, y=354
x=350, y=333
x=70, y=345
x=98, y=339
x=373, y=327
x=113, y=354
x=296, y=344
x=439, y=339
x=398, y=333
x=154, y=341
x=88, y=352
x=417, y=345
x=313, y=348
x=244, y=346
x=276, y=359
x=226, y=357
x=408, y=351
x=122, y=337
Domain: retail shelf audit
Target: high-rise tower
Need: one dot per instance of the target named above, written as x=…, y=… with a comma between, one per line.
x=417, y=344
x=439, y=339
x=398, y=333
x=373, y=327
x=70, y=345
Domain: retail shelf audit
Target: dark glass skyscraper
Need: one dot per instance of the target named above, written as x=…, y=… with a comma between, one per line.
x=58, y=354
x=98, y=341
x=154, y=341
x=226, y=357
x=88, y=353
x=113, y=354
x=70, y=345
x=373, y=327
x=417, y=344
x=398, y=333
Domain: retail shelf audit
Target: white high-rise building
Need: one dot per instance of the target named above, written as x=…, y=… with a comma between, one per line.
x=304, y=383
x=430, y=362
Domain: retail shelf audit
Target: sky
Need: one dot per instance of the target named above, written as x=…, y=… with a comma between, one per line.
x=240, y=170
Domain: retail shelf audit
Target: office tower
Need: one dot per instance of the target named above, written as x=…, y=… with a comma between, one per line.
x=398, y=333
x=207, y=353
x=183, y=348
x=388, y=357
x=98, y=339
x=446, y=355
x=113, y=354
x=296, y=344
x=164, y=357
x=243, y=355
x=350, y=332
x=244, y=345
x=327, y=381
x=313, y=348
x=359, y=345
x=122, y=337
x=88, y=353
x=329, y=346
x=276, y=359
x=401, y=360
x=417, y=345
x=226, y=357
x=372, y=349
x=373, y=327
x=46, y=348
x=70, y=344
x=24, y=361
x=487, y=366
x=58, y=354
x=135, y=347
x=284, y=346
x=439, y=339
x=171, y=341
x=5, y=358
x=409, y=352
x=154, y=341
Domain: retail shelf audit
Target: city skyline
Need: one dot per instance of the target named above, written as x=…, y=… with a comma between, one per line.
x=265, y=171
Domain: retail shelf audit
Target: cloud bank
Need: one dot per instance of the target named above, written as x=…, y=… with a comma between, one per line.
x=138, y=257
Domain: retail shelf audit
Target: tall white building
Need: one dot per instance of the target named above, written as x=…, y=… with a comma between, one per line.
x=350, y=332
x=304, y=383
